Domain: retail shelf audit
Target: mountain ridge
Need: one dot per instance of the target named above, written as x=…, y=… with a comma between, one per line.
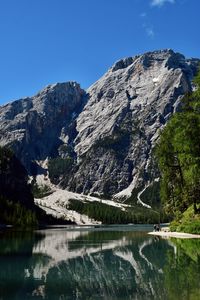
x=106, y=133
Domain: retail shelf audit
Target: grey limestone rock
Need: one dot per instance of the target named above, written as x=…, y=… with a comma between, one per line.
x=120, y=123
x=110, y=130
x=35, y=127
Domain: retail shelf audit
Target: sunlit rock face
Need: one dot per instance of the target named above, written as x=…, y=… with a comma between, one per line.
x=121, y=121
x=109, y=131
x=35, y=127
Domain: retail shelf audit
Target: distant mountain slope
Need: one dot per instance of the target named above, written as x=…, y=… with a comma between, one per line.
x=100, y=141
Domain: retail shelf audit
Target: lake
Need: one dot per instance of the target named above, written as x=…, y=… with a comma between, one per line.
x=113, y=262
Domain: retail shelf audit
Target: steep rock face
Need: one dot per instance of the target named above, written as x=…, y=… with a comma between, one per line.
x=121, y=121
x=105, y=137
x=35, y=127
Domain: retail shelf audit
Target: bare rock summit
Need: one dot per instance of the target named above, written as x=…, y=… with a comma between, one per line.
x=107, y=132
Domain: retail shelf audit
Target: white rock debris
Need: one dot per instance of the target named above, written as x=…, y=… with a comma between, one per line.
x=56, y=205
x=139, y=195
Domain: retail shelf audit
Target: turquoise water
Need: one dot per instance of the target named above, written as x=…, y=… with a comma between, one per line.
x=121, y=262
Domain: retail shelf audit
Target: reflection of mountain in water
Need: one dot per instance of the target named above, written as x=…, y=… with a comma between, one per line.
x=90, y=265
x=106, y=265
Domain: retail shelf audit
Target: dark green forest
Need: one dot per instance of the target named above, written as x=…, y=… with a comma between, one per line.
x=16, y=200
x=178, y=153
x=113, y=215
x=16, y=195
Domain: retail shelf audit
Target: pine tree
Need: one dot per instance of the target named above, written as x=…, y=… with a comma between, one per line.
x=178, y=153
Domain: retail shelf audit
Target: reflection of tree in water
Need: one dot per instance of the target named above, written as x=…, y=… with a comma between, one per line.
x=15, y=256
x=58, y=264
x=182, y=271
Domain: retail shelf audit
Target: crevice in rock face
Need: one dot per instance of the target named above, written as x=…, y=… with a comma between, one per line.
x=134, y=95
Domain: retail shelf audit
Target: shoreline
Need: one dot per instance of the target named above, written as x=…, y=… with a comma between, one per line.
x=168, y=234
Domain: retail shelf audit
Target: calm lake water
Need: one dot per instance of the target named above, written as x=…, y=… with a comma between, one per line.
x=103, y=263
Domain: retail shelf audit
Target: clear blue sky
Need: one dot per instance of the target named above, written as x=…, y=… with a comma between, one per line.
x=48, y=41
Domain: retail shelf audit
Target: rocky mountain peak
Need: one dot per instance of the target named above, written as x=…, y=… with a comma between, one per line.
x=111, y=128
x=132, y=84
x=121, y=120
x=122, y=64
x=35, y=127
x=64, y=87
x=147, y=58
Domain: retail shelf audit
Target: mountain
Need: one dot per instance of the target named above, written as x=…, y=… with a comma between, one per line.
x=100, y=141
x=35, y=127
x=122, y=118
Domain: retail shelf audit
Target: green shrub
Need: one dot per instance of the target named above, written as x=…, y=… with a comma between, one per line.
x=188, y=222
x=174, y=225
x=193, y=227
